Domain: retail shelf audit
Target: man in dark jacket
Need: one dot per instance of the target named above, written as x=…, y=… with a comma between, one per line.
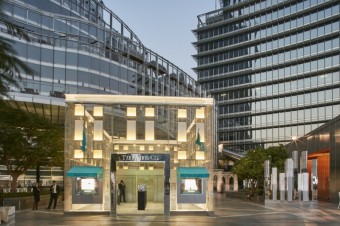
x=121, y=187
x=54, y=192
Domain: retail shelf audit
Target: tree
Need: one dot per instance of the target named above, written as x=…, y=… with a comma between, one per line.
x=10, y=65
x=27, y=140
x=251, y=167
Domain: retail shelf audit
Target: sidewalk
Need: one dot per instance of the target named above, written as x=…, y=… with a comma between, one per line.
x=228, y=211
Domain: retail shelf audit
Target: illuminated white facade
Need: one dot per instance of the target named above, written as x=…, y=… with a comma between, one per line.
x=163, y=146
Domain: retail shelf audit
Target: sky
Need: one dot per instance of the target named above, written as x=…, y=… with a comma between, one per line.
x=165, y=26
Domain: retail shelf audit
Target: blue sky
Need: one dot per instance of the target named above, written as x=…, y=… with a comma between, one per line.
x=164, y=26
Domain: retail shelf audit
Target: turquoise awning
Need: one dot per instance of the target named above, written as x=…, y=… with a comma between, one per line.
x=85, y=171
x=192, y=172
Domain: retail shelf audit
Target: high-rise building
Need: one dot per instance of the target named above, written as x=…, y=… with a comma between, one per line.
x=272, y=66
x=82, y=47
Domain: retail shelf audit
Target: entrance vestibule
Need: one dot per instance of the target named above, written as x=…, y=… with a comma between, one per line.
x=149, y=173
x=134, y=174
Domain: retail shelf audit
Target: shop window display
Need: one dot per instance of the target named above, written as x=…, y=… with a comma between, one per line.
x=191, y=186
x=86, y=186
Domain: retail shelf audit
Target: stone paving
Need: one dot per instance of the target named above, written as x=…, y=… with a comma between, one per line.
x=228, y=211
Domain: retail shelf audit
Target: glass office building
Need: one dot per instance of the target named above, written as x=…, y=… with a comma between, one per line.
x=272, y=66
x=81, y=46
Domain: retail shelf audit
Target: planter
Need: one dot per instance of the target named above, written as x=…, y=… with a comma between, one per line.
x=26, y=202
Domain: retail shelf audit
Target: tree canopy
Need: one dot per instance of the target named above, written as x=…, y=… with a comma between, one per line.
x=251, y=167
x=27, y=140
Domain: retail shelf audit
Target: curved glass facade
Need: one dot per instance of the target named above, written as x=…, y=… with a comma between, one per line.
x=81, y=47
x=272, y=66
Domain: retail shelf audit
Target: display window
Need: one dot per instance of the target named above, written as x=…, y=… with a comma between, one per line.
x=87, y=186
x=191, y=186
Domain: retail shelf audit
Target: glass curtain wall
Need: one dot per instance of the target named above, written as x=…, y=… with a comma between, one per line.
x=273, y=68
x=81, y=46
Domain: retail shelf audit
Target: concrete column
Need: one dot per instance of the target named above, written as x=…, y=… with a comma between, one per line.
x=304, y=176
x=295, y=157
x=303, y=164
x=299, y=187
x=282, y=185
x=235, y=182
x=274, y=183
x=305, y=187
x=289, y=179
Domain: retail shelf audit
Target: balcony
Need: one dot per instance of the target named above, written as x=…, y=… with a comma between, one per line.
x=153, y=65
x=57, y=94
x=29, y=91
x=134, y=55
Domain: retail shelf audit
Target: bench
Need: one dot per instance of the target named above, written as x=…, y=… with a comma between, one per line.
x=6, y=212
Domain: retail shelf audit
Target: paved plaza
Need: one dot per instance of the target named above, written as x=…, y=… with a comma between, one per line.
x=228, y=211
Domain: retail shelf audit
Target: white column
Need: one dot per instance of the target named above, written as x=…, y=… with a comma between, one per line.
x=290, y=178
x=305, y=187
x=274, y=183
x=282, y=185
x=299, y=184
